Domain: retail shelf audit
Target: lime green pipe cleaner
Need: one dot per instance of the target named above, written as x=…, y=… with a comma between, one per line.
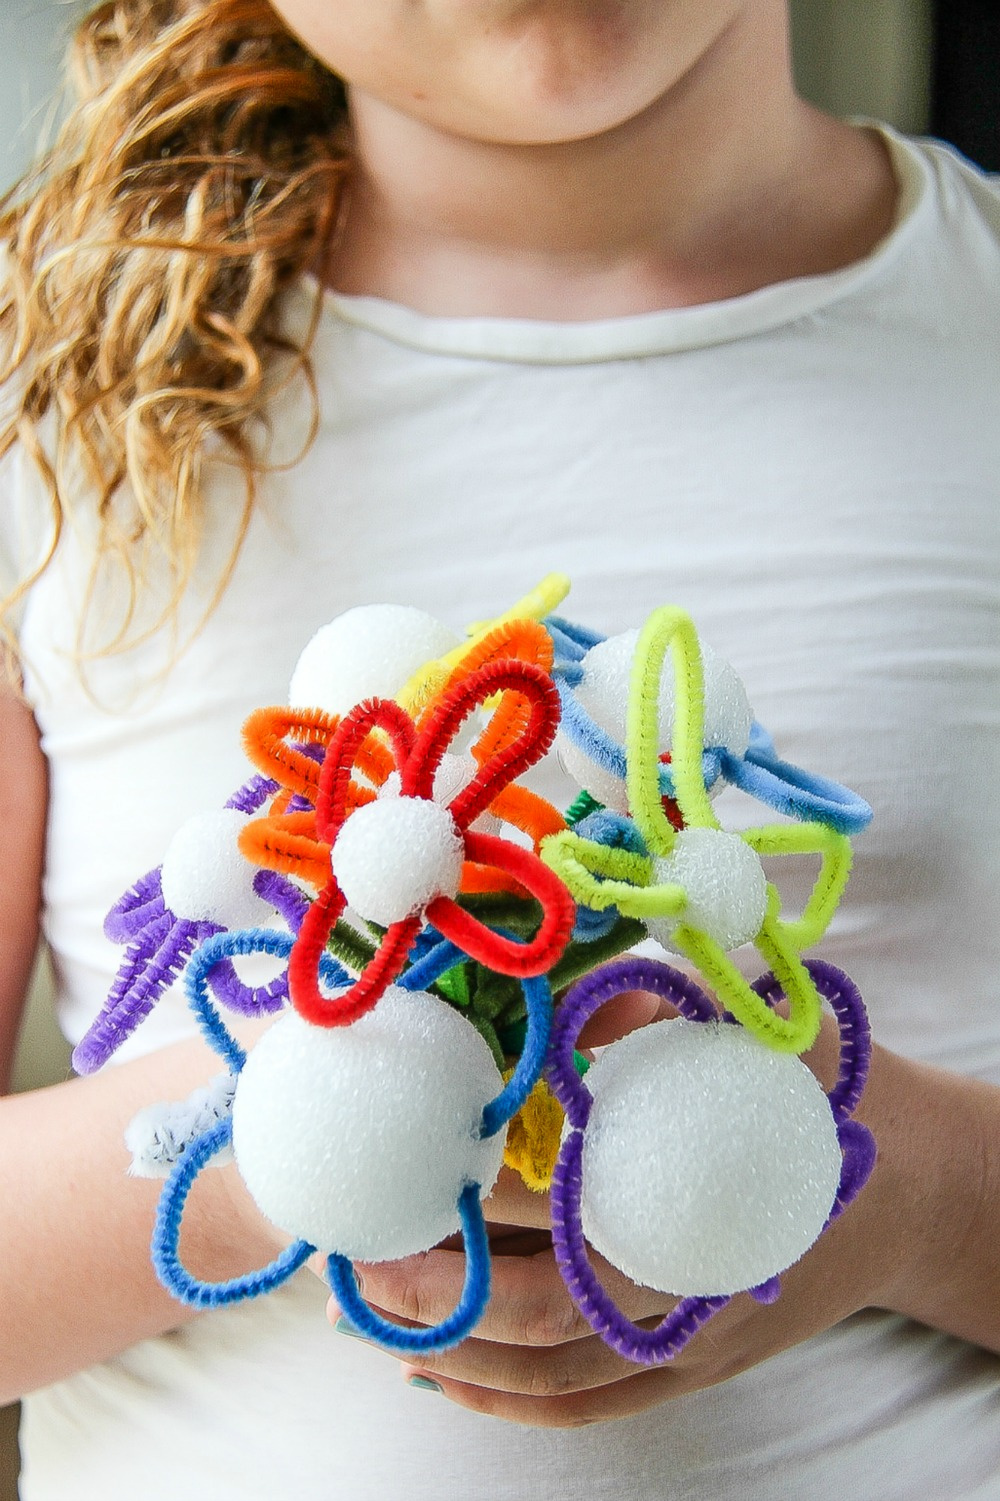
x=600, y=876
x=671, y=628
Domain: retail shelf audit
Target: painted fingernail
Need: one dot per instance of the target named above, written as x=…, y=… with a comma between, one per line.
x=343, y=1327
x=424, y=1384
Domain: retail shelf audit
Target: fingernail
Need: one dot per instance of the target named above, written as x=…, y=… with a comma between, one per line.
x=424, y=1384
x=342, y=1326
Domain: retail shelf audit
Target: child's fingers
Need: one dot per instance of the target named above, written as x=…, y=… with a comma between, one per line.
x=626, y=1013
x=513, y=1203
x=630, y=1394
x=529, y=1305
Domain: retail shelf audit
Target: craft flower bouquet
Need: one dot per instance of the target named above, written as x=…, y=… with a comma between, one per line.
x=441, y=935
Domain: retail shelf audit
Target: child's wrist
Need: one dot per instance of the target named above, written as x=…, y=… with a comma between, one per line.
x=927, y=1190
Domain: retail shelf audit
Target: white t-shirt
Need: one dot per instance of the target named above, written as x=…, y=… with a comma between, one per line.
x=813, y=471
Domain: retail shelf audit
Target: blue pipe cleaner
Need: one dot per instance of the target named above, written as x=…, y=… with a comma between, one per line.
x=434, y=957
x=571, y=639
x=463, y=1318
x=538, y=999
x=439, y=956
x=226, y=946
x=598, y=746
x=604, y=827
x=166, y=1236
x=791, y=790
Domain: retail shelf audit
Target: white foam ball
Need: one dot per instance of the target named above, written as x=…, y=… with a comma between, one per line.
x=395, y=855
x=604, y=689
x=590, y=775
x=368, y=652
x=205, y=877
x=453, y=775
x=360, y=1139
x=725, y=884
x=710, y=1162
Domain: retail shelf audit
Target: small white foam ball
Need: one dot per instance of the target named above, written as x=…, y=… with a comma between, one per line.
x=710, y=1161
x=453, y=775
x=604, y=690
x=368, y=652
x=725, y=884
x=395, y=855
x=360, y=1139
x=205, y=877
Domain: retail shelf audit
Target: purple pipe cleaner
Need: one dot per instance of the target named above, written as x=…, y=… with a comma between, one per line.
x=259, y=1000
x=653, y=1346
x=160, y=942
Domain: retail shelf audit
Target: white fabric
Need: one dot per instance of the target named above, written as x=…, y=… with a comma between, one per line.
x=812, y=470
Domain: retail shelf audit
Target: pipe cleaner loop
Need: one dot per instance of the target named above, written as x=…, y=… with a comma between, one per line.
x=588, y=995
x=508, y=1102
x=641, y=1346
x=666, y=629
x=789, y=789
x=218, y=951
x=854, y=1140
x=159, y=942
x=758, y=770
x=459, y=1323
x=166, y=1236
x=499, y=636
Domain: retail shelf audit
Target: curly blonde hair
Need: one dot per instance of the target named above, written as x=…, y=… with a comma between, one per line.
x=197, y=173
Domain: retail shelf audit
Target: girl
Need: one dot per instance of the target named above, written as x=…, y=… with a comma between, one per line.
x=320, y=304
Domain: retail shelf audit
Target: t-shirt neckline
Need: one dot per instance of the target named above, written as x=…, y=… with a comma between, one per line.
x=668, y=331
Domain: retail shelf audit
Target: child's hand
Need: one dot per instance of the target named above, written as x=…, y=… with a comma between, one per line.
x=535, y=1360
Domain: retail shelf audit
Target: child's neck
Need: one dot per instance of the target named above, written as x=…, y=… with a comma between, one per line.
x=726, y=184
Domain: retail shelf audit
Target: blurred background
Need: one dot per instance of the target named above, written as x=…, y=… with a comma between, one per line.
x=924, y=67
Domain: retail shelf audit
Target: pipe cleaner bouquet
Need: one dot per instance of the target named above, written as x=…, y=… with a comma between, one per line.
x=443, y=933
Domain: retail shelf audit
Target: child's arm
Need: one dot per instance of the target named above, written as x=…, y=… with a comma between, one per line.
x=23, y=788
x=76, y=1284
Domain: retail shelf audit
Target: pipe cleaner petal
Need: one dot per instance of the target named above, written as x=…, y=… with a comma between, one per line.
x=459, y=1323
x=166, y=1237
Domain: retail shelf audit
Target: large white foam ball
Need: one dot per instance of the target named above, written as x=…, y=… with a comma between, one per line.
x=393, y=856
x=710, y=1162
x=368, y=652
x=360, y=1139
x=604, y=690
x=725, y=884
x=205, y=878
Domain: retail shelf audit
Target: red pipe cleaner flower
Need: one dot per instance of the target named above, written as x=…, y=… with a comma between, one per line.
x=371, y=853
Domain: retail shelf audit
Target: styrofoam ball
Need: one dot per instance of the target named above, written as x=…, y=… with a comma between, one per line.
x=710, y=1161
x=205, y=877
x=453, y=775
x=725, y=884
x=360, y=1139
x=604, y=688
x=602, y=784
x=368, y=652
x=395, y=855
